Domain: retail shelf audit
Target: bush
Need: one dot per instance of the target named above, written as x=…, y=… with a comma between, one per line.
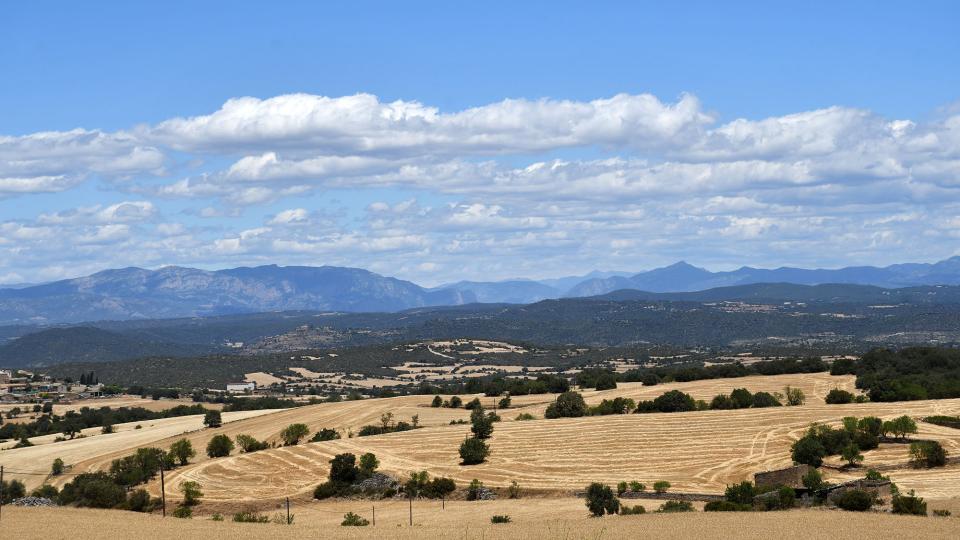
x=352, y=520
x=438, y=488
x=94, y=490
x=292, y=434
x=661, y=486
x=567, y=405
x=795, y=396
x=216, y=517
x=14, y=489
x=621, y=488
x=183, y=512
x=808, y=450
x=504, y=402
x=838, y=397
x=741, y=493
x=481, y=424
x=473, y=404
x=219, y=446
x=343, y=468
x=942, y=513
x=330, y=489
x=632, y=510
x=368, y=464
x=525, y=416
x=437, y=401
x=601, y=500
x=843, y=366
x=927, y=454
x=46, y=491
x=500, y=519
x=742, y=398
x=813, y=480
x=637, y=486
x=675, y=506
x=191, y=493
x=57, y=468
x=854, y=500
x=327, y=434
x=765, y=399
x=212, y=419
x=139, y=501
x=722, y=402
x=473, y=451
x=250, y=517
x=910, y=504
x=455, y=402
x=249, y=444
x=726, y=506
x=514, y=490
x=473, y=490
x=674, y=401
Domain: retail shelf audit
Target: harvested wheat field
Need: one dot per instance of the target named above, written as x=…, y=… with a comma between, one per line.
x=699, y=452
x=95, y=403
x=473, y=522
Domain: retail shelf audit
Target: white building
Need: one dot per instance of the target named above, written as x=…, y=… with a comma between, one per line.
x=241, y=387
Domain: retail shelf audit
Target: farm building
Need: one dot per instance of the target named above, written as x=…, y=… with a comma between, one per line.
x=880, y=488
x=241, y=387
x=791, y=477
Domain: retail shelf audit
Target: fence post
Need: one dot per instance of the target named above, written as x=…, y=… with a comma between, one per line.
x=163, y=492
x=288, y=510
x=411, y=511
x=374, y=515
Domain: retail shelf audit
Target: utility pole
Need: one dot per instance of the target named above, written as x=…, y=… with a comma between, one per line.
x=163, y=492
x=374, y=507
x=411, y=511
x=288, y=510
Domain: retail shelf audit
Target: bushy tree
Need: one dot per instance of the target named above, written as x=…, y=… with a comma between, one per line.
x=139, y=501
x=661, y=486
x=325, y=434
x=742, y=397
x=813, y=480
x=854, y=500
x=838, y=397
x=437, y=401
x=473, y=404
x=851, y=454
x=601, y=500
x=808, y=450
x=219, y=446
x=909, y=504
x=675, y=401
x=14, y=489
x=212, y=419
x=455, y=402
x=900, y=427
x=249, y=444
x=343, y=468
x=927, y=454
x=567, y=405
x=57, y=468
x=191, y=493
x=741, y=493
x=94, y=490
x=368, y=464
x=473, y=451
x=292, y=434
x=722, y=402
x=481, y=424
x=504, y=402
x=182, y=450
x=765, y=399
x=794, y=396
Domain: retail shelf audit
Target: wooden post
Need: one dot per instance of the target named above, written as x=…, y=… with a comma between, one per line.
x=443, y=502
x=411, y=511
x=374, y=515
x=163, y=492
x=288, y=510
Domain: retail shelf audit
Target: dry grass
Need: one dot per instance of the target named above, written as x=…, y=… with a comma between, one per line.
x=534, y=520
x=113, y=402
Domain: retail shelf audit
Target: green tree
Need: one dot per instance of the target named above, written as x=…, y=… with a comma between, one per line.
x=325, y=434
x=808, y=450
x=182, y=451
x=504, y=402
x=567, y=405
x=675, y=401
x=219, y=446
x=473, y=451
x=813, y=480
x=909, y=504
x=456, y=402
x=343, y=468
x=212, y=419
x=437, y=401
x=191, y=493
x=249, y=444
x=368, y=464
x=742, y=397
x=661, y=486
x=927, y=454
x=481, y=424
x=601, y=500
x=795, y=396
x=838, y=397
x=57, y=468
x=292, y=434
x=851, y=454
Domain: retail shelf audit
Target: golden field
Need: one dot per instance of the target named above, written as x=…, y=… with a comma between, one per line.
x=467, y=521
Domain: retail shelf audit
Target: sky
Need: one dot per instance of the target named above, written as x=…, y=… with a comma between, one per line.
x=440, y=141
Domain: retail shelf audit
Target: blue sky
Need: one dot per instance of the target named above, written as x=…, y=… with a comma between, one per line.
x=814, y=134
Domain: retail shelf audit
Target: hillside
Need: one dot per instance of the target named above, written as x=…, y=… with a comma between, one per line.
x=84, y=344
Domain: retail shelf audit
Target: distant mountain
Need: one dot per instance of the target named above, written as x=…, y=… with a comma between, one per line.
x=84, y=344
x=510, y=292
x=683, y=277
x=831, y=293
x=136, y=293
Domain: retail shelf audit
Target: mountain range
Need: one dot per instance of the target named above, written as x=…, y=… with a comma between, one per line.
x=170, y=292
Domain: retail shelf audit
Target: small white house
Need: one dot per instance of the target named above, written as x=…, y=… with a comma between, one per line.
x=241, y=387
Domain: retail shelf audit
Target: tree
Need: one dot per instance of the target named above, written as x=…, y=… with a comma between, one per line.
x=212, y=419
x=606, y=381
x=292, y=434
x=795, y=396
x=854, y=500
x=368, y=464
x=343, y=468
x=504, y=402
x=927, y=454
x=675, y=401
x=325, y=434
x=765, y=399
x=567, y=405
x=386, y=420
x=456, y=402
x=249, y=444
x=482, y=425
x=742, y=397
x=473, y=404
x=909, y=504
x=219, y=446
x=808, y=450
x=838, y=397
x=601, y=500
x=182, y=451
x=741, y=493
x=900, y=427
x=57, y=468
x=722, y=402
x=14, y=489
x=661, y=486
x=473, y=451
x=851, y=454
x=191, y=493
x=416, y=483
x=437, y=401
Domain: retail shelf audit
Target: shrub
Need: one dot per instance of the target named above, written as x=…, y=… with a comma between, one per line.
x=742, y=398
x=219, y=446
x=637, y=486
x=525, y=416
x=674, y=401
x=249, y=444
x=500, y=519
x=795, y=396
x=292, y=434
x=765, y=399
x=661, y=486
x=632, y=510
x=726, y=506
x=606, y=381
x=368, y=464
x=741, y=493
x=216, y=517
x=330, y=489
x=473, y=490
x=139, y=501
x=183, y=512
x=675, y=506
x=191, y=493
x=455, y=402
x=621, y=488
x=601, y=500
x=327, y=434
x=14, y=489
x=854, y=500
x=343, y=468
x=46, y=491
x=473, y=451
x=618, y=405
x=107, y=429
x=438, y=488
x=504, y=402
x=353, y=520
x=57, y=468
x=514, y=490
x=94, y=490
x=567, y=405
x=250, y=517
x=910, y=504
x=927, y=454
x=437, y=401
x=722, y=402
x=813, y=480
x=182, y=451
x=212, y=419
x=838, y=397
x=942, y=513
x=473, y=404
x=843, y=366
